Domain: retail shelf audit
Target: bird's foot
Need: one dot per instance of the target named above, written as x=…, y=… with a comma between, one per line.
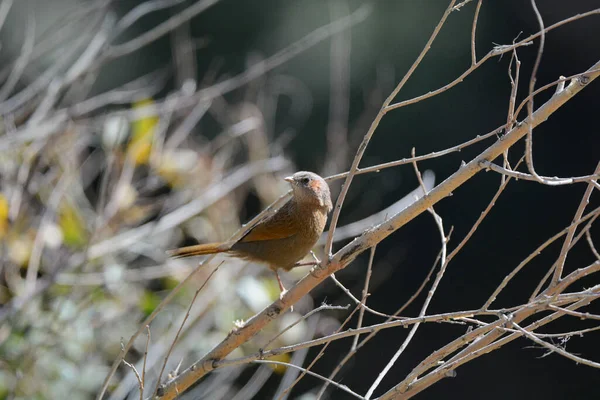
x=312, y=253
x=282, y=289
x=282, y=293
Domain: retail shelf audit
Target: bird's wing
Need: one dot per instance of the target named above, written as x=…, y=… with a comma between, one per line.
x=278, y=226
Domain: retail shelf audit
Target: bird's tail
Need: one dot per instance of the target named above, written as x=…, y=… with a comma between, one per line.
x=199, y=249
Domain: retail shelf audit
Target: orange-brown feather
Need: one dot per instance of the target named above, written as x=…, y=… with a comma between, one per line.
x=199, y=249
x=273, y=228
x=315, y=185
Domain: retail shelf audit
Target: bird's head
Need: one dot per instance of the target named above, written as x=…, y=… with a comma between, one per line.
x=310, y=188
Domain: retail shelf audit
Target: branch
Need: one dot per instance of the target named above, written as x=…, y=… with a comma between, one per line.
x=560, y=263
x=557, y=349
x=370, y=238
x=482, y=341
x=546, y=180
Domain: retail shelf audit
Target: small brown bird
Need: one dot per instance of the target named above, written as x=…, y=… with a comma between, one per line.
x=285, y=237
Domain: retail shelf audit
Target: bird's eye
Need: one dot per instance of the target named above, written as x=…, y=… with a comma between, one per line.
x=304, y=181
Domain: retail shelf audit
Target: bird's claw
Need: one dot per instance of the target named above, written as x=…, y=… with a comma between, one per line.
x=312, y=253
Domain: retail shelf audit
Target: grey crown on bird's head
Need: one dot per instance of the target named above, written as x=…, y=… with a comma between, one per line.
x=315, y=185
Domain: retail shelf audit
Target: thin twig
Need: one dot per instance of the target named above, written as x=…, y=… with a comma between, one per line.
x=339, y=103
x=137, y=375
x=562, y=257
x=514, y=88
x=429, y=156
x=145, y=359
x=365, y=294
x=480, y=219
x=159, y=30
x=559, y=83
x=588, y=237
x=5, y=7
x=430, y=295
x=288, y=365
x=23, y=60
x=577, y=314
x=357, y=301
x=292, y=375
x=185, y=318
x=546, y=180
x=536, y=65
x=321, y=352
x=556, y=349
x=473, y=31
x=303, y=318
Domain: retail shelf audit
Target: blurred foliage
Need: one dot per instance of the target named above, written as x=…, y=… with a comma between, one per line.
x=3, y=216
x=88, y=210
x=67, y=206
x=142, y=134
x=72, y=226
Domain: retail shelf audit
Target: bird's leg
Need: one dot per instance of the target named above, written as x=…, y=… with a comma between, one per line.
x=281, y=287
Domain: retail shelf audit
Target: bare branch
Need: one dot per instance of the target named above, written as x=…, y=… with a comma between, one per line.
x=23, y=60
x=473, y=30
x=304, y=318
x=137, y=375
x=546, y=180
x=338, y=385
x=159, y=30
x=536, y=65
x=430, y=294
x=560, y=263
x=185, y=318
x=556, y=349
x=365, y=294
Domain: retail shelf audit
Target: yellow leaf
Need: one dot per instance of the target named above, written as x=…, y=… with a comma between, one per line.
x=278, y=368
x=72, y=226
x=148, y=302
x=19, y=249
x=142, y=134
x=3, y=216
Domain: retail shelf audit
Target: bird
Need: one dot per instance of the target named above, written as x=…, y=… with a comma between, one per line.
x=285, y=237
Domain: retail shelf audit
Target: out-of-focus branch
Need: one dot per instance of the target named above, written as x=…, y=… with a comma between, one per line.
x=339, y=104
x=159, y=30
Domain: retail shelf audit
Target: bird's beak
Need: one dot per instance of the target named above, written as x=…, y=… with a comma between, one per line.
x=288, y=179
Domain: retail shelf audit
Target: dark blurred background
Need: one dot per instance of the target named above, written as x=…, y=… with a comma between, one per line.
x=374, y=55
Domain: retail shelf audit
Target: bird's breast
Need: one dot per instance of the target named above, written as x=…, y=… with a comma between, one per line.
x=311, y=224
